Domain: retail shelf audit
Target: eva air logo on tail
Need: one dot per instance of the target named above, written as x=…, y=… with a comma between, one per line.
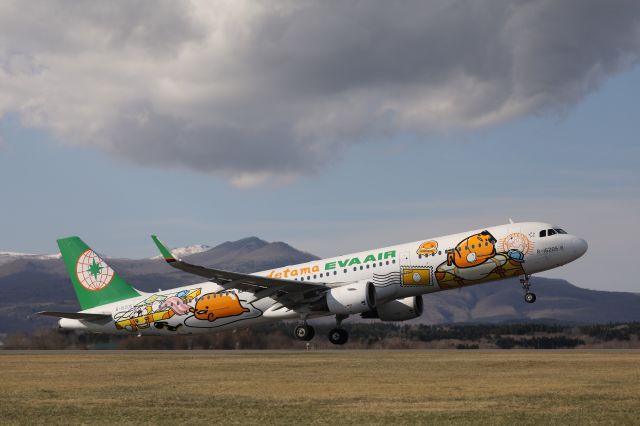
x=93, y=274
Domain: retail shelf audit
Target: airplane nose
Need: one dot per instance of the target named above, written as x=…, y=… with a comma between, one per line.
x=580, y=247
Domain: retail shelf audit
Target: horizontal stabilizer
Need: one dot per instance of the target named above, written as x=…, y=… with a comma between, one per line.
x=76, y=315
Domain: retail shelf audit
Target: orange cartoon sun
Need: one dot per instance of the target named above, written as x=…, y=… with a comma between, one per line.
x=517, y=241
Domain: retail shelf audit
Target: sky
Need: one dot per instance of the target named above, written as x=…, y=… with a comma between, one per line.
x=334, y=127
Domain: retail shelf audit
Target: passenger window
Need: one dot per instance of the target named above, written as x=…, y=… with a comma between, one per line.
x=551, y=232
x=543, y=233
x=335, y=272
x=345, y=270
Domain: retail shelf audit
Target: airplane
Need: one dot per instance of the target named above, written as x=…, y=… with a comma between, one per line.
x=386, y=283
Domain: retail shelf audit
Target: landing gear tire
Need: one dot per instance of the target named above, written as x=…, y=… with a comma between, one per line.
x=529, y=297
x=304, y=332
x=338, y=336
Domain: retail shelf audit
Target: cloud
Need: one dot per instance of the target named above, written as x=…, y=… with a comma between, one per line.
x=257, y=91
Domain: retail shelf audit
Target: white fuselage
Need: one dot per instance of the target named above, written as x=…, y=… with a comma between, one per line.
x=397, y=272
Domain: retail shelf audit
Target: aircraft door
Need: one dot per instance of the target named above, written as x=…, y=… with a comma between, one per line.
x=405, y=258
x=519, y=244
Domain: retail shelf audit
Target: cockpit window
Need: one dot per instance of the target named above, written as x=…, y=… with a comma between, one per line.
x=560, y=231
x=551, y=232
x=543, y=233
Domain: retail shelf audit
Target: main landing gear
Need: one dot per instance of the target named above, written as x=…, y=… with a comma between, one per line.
x=529, y=297
x=339, y=336
x=304, y=332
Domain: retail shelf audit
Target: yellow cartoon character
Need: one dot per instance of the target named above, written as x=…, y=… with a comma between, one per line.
x=212, y=306
x=475, y=260
x=473, y=250
x=427, y=248
x=141, y=318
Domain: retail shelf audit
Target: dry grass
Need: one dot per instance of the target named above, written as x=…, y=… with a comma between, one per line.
x=341, y=387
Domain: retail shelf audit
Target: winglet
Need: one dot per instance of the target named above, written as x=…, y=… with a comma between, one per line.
x=164, y=251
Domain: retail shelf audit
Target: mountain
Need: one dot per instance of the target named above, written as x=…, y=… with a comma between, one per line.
x=31, y=283
x=250, y=255
x=557, y=301
x=8, y=256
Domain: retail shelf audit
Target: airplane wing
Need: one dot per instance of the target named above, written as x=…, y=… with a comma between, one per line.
x=286, y=291
x=76, y=315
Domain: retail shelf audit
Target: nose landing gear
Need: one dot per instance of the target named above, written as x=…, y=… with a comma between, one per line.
x=529, y=297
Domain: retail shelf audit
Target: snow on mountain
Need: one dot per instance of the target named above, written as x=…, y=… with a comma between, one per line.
x=187, y=251
x=10, y=256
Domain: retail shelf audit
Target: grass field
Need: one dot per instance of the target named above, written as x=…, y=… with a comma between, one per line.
x=338, y=387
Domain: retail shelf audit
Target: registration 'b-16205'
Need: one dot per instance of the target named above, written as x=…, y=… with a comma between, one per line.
x=386, y=283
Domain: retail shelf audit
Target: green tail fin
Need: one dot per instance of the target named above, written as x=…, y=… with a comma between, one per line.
x=94, y=281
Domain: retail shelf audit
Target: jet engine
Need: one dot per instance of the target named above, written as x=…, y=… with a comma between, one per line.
x=354, y=298
x=398, y=310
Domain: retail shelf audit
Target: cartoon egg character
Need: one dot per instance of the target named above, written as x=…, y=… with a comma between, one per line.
x=427, y=248
x=212, y=306
x=473, y=250
x=416, y=276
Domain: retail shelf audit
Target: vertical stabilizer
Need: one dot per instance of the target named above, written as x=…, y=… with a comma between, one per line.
x=93, y=280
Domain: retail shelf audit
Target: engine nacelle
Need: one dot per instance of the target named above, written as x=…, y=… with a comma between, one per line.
x=401, y=309
x=353, y=298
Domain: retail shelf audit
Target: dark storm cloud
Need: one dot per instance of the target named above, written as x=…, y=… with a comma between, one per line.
x=258, y=90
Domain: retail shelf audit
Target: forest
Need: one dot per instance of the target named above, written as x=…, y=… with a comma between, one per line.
x=361, y=336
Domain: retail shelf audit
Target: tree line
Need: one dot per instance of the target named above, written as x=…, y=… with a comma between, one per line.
x=361, y=336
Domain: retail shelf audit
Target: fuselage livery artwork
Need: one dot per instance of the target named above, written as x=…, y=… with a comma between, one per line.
x=386, y=283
